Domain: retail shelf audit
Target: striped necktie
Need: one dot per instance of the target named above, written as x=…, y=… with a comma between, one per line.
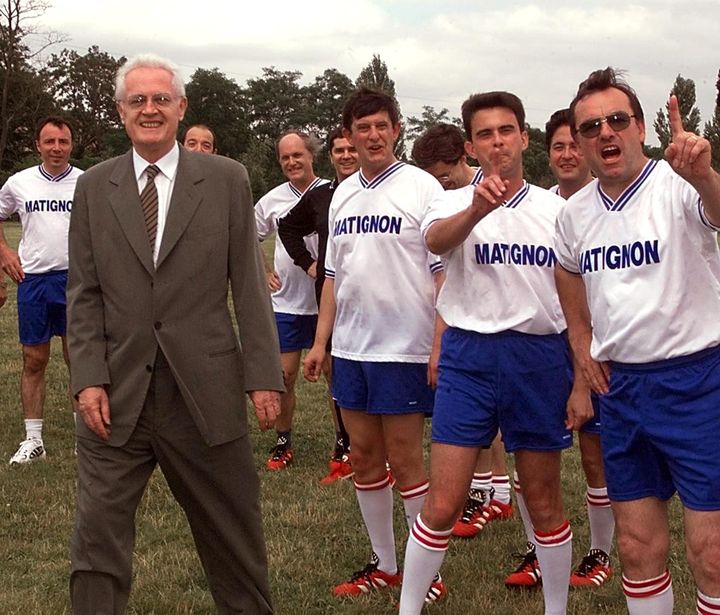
x=149, y=202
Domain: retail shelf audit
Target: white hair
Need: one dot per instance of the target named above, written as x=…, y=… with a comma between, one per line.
x=148, y=60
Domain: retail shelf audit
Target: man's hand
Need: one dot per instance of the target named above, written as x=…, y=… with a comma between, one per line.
x=597, y=375
x=312, y=270
x=579, y=406
x=313, y=362
x=94, y=408
x=273, y=281
x=267, y=407
x=10, y=263
x=688, y=153
x=488, y=195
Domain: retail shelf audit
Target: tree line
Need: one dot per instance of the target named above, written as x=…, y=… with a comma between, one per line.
x=246, y=119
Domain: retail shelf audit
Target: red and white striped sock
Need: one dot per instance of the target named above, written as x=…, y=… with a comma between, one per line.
x=600, y=516
x=649, y=596
x=501, y=484
x=554, y=553
x=424, y=555
x=481, y=480
x=376, y=506
x=707, y=605
x=413, y=498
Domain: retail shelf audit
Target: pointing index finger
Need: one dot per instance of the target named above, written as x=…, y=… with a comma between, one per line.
x=676, y=126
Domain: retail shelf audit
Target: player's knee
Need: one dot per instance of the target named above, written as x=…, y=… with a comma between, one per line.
x=34, y=363
x=439, y=512
x=639, y=548
x=703, y=556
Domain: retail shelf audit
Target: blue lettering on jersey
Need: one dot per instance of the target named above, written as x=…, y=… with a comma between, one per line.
x=55, y=205
x=635, y=254
x=374, y=223
x=514, y=254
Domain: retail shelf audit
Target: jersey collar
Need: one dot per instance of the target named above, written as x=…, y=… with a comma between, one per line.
x=369, y=185
x=312, y=185
x=630, y=191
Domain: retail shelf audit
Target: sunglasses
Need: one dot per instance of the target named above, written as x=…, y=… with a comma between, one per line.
x=617, y=121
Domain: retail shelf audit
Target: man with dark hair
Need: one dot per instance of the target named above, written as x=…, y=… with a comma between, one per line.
x=503, y=365
x=199, y=138
x=377, y=301
x=42, y=196
x=440, y=151
x=293, y=299
x=639, y=280
x=160, y=373
x=572, y=172
x=309, y=216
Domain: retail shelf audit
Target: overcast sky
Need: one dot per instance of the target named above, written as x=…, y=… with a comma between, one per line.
x=437, y=52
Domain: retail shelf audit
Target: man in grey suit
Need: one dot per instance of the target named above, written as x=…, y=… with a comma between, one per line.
x=156, y=237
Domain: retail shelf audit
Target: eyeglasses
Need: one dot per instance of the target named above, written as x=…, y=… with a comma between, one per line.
x=139, y=101
x=617, y=121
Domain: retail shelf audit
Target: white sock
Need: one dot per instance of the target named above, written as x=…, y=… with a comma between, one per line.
x=33, y=429
x=424, y=555
x=600, y=516
x=481, y=480
x=524, y=514
x=707, y=605
x=501, y=484
x=554, y=553
x=376, y=506
x=650, y=596
x=413, y=498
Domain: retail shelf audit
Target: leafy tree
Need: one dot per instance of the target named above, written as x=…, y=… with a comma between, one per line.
x=684, y=89
x=22, y=97
x=218, y=101
x=416, y=126
x=375, y=75
x=275, y=103
x=84, y=87
x=324, y=100
x=536, y=165
x=712, y=129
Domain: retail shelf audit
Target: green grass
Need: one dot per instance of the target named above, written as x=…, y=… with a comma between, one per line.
x=315, y=536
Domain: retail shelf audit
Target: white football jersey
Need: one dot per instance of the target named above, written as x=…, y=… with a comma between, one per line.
x=383, y=273
x=650, y=264
x=501, y=277
x=44, y=204
x=297, y=294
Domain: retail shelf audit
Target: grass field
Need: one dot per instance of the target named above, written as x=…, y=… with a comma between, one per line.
x=314, y=534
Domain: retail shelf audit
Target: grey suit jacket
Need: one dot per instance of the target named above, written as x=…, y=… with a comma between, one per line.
x=121, y=308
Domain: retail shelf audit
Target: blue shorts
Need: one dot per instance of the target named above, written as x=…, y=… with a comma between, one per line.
x=41, y=307
x=513, y=381
x=296, y=331
x=593, y=425
x=382, y=388
x=661, y=428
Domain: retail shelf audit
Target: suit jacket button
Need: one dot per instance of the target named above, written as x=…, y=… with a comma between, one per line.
x=148, y=368
x=158, y=325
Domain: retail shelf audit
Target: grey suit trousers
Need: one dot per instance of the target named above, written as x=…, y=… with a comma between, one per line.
x=217, y=487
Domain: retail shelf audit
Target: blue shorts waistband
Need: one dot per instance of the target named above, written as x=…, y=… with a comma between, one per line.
x=664, y=364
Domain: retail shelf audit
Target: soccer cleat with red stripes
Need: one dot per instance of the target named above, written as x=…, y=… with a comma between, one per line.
x=366, y=580
x=281, y=456
x=594, y=570
x=339, y=467
x=436, y=591
x=527, y=574
x=499, y=511
x=474, y=516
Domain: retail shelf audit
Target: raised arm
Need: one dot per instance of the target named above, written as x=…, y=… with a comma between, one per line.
x=689, y=155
